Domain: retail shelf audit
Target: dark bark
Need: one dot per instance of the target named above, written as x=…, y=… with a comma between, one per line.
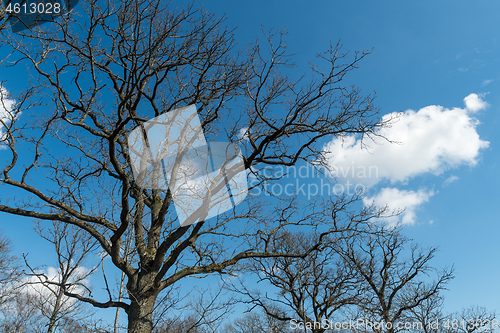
x=140, y=314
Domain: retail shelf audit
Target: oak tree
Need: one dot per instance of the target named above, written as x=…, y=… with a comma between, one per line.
x=107, y=67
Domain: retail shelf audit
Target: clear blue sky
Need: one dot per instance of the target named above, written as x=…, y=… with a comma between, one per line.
x=426, y=53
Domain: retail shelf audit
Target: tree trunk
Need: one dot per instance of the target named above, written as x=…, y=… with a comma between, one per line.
x=140, y=314
x=120, y=295
x=55, y=311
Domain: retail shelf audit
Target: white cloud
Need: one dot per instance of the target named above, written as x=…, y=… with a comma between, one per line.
x=474, y=103
x=486, y=82
x=32, y=285
x=450, y=180
x=397, y=199
x=430, y=140
x=44, y=296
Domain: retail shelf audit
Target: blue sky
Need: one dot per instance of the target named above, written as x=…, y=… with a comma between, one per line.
x=426, y=54
x=428, y=57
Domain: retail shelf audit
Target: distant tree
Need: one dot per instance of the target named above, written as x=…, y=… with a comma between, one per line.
x=73, y=247
x=205, y=312
x=16, y=311
x=472, y=319
x=396, y=274
x=309, y=289
x=20, y=314
x=9, y=270
x=257, y=322
x=429, y=313
x=188, y=324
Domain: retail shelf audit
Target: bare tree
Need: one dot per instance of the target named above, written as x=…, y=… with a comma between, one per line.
x=469, y=320
x=257, y=323
x=429, y=313
x=28, y=306
x=20, y=314
x=188, y=324
x=316, y=287
x=205, y=311
x=15, y=308
x=396, y=275
x=73, y=247
x=102, y=70
x=9, y=270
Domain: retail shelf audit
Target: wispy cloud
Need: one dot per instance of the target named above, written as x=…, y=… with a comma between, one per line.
x=486, y=82
x=450, y=180
x=397, y=199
